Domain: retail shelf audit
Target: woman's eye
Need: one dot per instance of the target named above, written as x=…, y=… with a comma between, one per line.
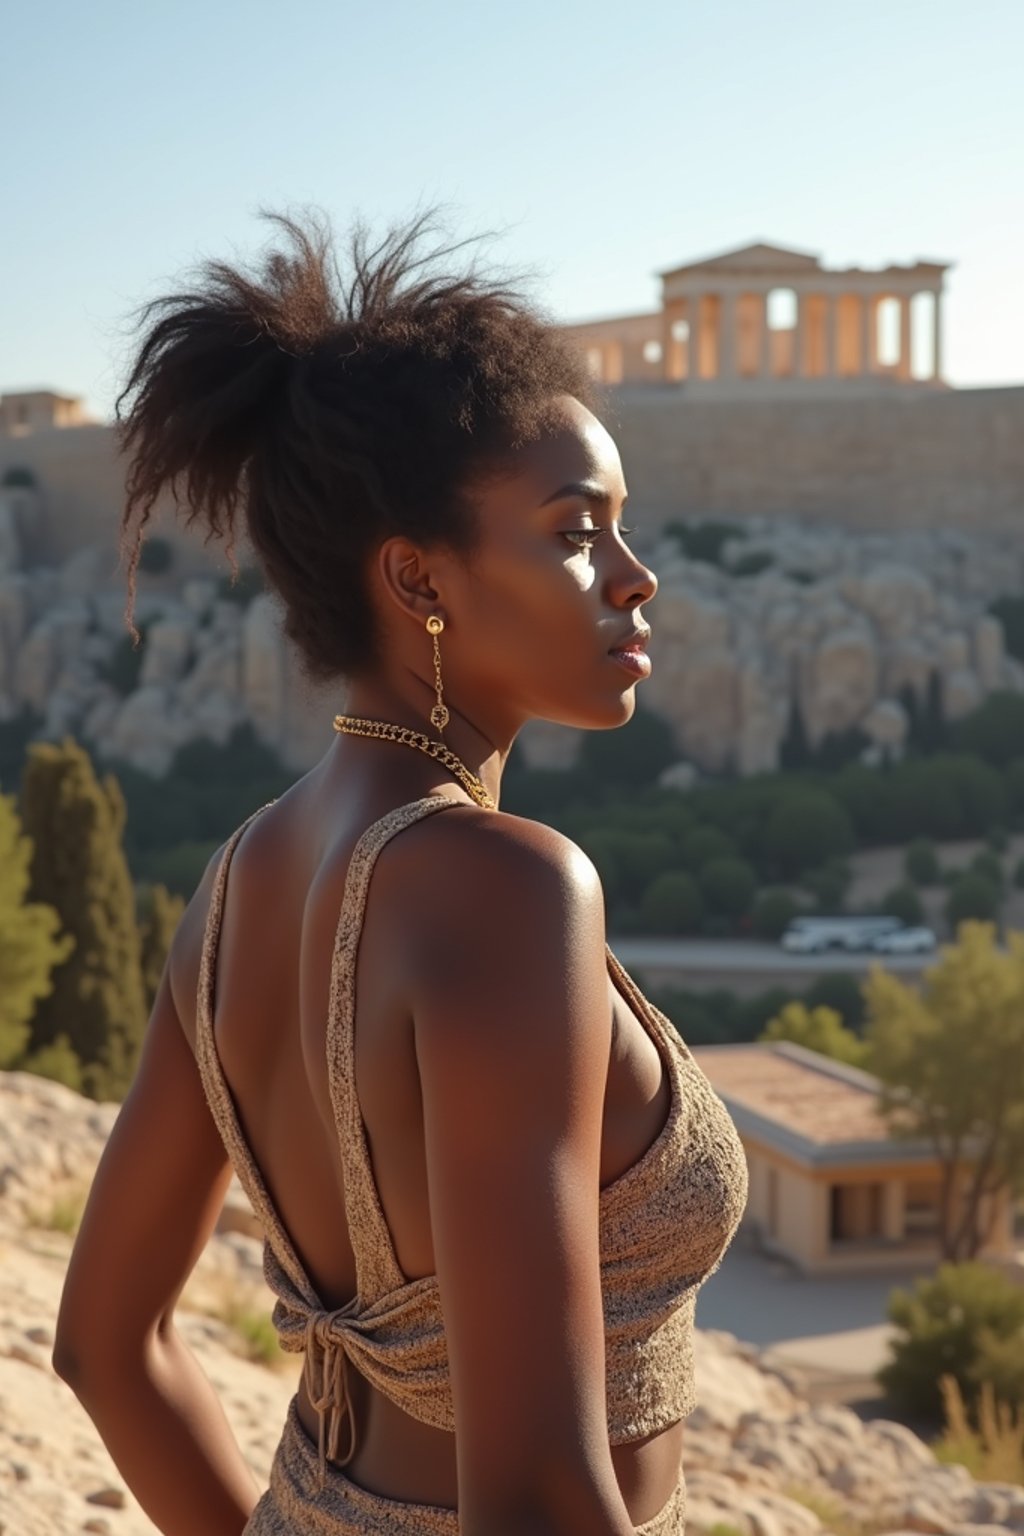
x=591, y=535
x=588, y=535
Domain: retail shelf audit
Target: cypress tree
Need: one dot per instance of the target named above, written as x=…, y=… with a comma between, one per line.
x=30, y=942
x=76, y=824
x=161, y=915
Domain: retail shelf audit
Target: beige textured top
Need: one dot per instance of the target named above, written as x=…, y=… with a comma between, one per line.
x=665, y=1223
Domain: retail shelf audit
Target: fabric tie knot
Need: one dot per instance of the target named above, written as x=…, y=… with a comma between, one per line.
x=330, y=1396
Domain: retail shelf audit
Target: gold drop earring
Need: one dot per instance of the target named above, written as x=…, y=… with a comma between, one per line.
x=439, y=714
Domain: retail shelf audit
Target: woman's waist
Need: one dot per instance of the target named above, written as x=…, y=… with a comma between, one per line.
x=400, y=1457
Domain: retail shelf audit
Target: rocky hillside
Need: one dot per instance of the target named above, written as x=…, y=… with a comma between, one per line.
x=839, y=621
x=759, y=1457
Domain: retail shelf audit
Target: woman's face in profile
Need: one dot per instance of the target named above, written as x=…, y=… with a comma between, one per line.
x=553, y=585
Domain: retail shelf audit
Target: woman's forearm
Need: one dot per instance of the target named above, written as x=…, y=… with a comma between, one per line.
x=163, y=1424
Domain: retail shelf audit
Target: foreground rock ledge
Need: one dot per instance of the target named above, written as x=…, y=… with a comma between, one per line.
x=750, y=1445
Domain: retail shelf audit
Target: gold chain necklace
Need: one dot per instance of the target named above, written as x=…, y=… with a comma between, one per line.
x=356, y=725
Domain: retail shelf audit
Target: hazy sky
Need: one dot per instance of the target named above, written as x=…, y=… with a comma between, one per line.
x=603, y=141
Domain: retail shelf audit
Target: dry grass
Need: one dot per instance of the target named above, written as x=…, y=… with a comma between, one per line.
x=833, y=1513
x=62, y=1214
x=994, y=1452
x=244, y=1311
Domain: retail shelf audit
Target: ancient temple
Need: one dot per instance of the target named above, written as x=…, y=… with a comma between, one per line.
x=762, y=320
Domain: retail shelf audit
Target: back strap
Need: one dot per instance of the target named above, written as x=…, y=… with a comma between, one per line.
x=377, y=1268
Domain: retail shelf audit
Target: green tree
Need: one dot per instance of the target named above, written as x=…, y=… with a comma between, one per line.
x=973, y=895
x=950, y=1060
x=987, y=863
x=156, y=556
x=631, y=756
x=772, y=913
x=795, y=751
x=841, y=991
x=76, y=824
x=672, y=903
x=728, y=886
x=921, y=862
x=819, y=1029
x=994, y=730
x=30, y=941
x=700, y=844
x=902, y=901
x=806, y=827
x=161, y=913
x=57, y=1062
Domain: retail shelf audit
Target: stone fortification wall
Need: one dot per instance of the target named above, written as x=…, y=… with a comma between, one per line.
x=951, y=459
x=871, y=460
x=78, y=500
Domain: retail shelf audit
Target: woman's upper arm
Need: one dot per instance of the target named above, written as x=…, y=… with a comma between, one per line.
x=158, y=1188
x=513, y=1033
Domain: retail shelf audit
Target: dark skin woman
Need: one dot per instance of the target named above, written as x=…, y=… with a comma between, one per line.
x=410, y=451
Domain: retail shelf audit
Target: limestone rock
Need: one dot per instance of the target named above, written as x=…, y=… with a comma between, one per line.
x=844, y=682
x=35, y=665
x=168, y=651
x=680, y=776
x=887, y=724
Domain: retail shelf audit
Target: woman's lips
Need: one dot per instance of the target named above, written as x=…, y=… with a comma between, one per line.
x=635, y=659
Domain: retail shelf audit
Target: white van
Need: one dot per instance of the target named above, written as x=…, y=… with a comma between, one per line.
x=812, y=935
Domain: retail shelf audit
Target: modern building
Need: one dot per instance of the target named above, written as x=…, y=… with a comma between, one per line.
x=763, y=320
x=831, y=1189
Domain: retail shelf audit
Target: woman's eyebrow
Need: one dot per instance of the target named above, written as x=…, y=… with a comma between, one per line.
x=586, y=488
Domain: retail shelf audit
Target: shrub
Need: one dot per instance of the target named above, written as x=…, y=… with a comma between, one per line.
x=705, y=538
x=840, y=991
x=57, y=1061
x=242, y=587
x=703, y=844
x=124, y=663
x=921, y=862
x=752, y=563
x=992, y=732
x=728, y=886
x=156, y=556
x=772, y=913
x=902, y=901
x=972, y=896
x=805, y=828
x=998, y=839
x=827, y=884
x=953, y=1322
x=672, y=903
x=989, y=864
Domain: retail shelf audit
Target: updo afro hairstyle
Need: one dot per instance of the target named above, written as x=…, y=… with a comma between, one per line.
x=333, y=412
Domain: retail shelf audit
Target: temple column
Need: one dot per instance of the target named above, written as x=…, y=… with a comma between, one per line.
x=766, y=340
x=937, y=338
x=693, y=343
x=799, y=327
x=727, y=336
x=867, y=339
x=671, y=346
x=830, y=336
x=905, y=337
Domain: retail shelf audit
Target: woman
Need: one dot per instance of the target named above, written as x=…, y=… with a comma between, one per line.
x=491, y=1175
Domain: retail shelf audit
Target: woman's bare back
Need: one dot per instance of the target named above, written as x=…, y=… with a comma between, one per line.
x=283, y=899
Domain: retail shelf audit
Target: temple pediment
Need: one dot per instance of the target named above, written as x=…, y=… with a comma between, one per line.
x=751, y=258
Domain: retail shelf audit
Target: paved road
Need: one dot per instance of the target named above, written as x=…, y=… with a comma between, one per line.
x=832, y=1325
x=752, y=955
